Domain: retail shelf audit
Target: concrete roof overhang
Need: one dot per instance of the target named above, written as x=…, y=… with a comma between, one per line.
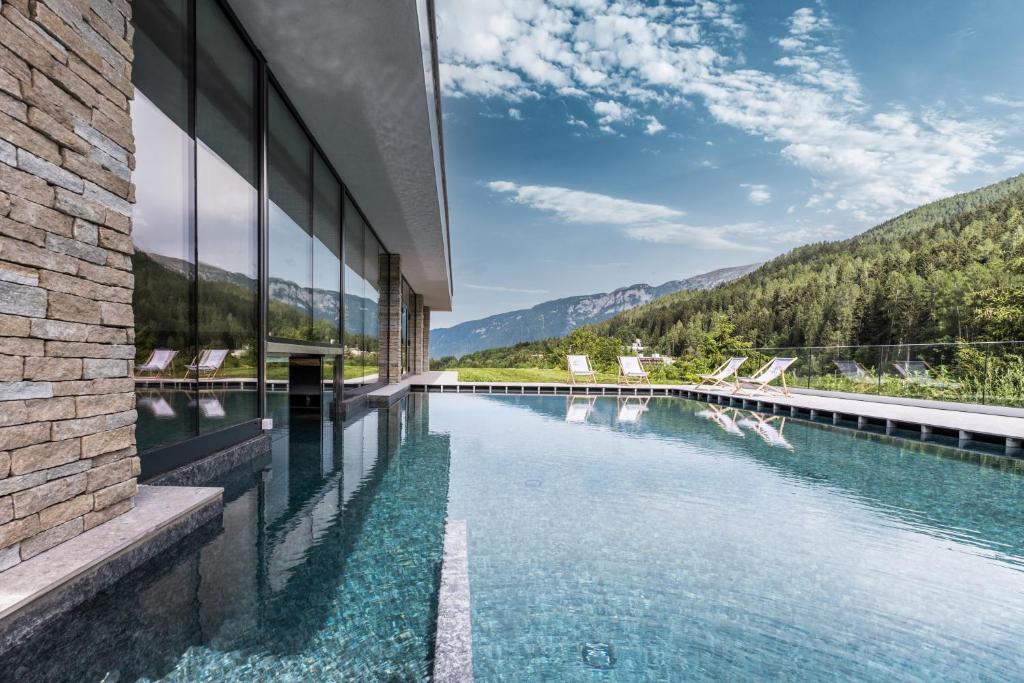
x=363, y=76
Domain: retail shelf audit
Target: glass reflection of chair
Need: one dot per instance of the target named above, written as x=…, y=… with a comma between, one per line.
x=207, y=364
x=579, y=408
x=919, y=372
x=158, y=407
x=769, y=433
x=723, y=417
x=210, y=406
x=853, y=371
x=632, y=407
x=157, y=363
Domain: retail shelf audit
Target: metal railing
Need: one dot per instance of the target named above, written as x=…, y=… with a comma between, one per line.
x=969, y=372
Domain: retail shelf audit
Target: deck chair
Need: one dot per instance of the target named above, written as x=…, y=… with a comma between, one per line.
x=728, y=369
x=919, y=372
x=631, y=370
x=158, y=361
x=579, y=366
x=722, y=418
x=207, y=364
x=632, y=407
x=769, y=372
x=852, y=370
x=579, y=408
x=763, y=427
x=158, y=407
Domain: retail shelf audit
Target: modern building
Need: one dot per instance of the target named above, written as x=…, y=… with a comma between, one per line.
x=203, y=202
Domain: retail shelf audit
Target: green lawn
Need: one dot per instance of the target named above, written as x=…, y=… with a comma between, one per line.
x=528, y=375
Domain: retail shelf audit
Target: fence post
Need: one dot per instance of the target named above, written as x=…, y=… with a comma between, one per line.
x=880, y=369
x=984, y=384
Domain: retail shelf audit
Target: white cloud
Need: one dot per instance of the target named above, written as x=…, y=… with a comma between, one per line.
x=573, y=121
x=654, y=126
x=515, y=114
x=1001, y=101
x=611, y=112
x=626, y=57
x=511, y=290
x=575, y=206
x=759, y=194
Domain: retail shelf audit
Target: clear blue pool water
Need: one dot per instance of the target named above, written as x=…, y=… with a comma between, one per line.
x=607, y=541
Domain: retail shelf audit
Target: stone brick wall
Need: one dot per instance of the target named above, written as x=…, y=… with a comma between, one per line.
x=67, y=405
x=416, y=333
x=389, y=330
x=425, y=345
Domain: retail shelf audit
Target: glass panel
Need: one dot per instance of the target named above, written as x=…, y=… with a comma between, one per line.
x=163, y=262
x=371, y=314
x=355, y=292
x=227, y=221
x=326, y=254
x=289, y=313
x=406, y=300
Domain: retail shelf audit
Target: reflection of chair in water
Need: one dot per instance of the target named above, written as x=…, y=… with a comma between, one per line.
x=157, y=406
x=722, y=418
x=579, y=366
x=210, y=406
x=852, y=370
x=632, y=407
x=579, y=408
x=919, y=372
x=764, y=428
x=158, y=361
x=208, y=363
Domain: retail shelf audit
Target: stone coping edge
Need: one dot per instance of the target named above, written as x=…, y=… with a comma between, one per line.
x=453, y=645
x=62, y=578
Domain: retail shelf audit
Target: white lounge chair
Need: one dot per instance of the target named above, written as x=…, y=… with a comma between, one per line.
x=631, y=370
x=729, y=368
x=722, y=418
x=579, y=408
x=579, y=366
x=632, y=407
x=852, y=370
x=919, y=372
x=763, y=427
x=208, y=363
x=158, y=361
x=769, y=372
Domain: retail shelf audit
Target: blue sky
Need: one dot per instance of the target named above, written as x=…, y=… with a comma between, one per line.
x=592, y=145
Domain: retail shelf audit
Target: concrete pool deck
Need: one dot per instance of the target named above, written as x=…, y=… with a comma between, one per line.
x=53, y=582
x=964, y=421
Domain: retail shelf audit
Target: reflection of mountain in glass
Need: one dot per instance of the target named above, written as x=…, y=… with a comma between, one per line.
x=325, y=303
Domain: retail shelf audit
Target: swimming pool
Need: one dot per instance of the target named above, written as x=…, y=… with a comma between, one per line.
x=658, y=539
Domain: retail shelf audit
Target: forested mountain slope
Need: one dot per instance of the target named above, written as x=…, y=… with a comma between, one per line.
x=952, y=269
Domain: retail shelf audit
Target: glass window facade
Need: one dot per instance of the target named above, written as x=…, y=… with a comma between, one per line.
x=215, y=219
x=362, y=298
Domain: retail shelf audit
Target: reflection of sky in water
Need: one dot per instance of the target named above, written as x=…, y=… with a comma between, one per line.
x=699, y=552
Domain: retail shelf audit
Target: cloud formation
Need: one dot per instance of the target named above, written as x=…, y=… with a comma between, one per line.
x=628, y=60
x=654, y=222
x=758, y=194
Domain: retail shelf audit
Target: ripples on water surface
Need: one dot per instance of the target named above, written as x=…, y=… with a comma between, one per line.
x=648, y=540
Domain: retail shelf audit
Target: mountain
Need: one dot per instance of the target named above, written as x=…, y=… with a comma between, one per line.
x=952, y=269
x=561, y=316
x=359, y=311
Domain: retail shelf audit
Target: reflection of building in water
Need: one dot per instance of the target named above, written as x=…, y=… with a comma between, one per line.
x=339, y=511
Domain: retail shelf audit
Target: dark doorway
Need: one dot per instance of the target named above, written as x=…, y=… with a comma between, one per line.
x=305, y=389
